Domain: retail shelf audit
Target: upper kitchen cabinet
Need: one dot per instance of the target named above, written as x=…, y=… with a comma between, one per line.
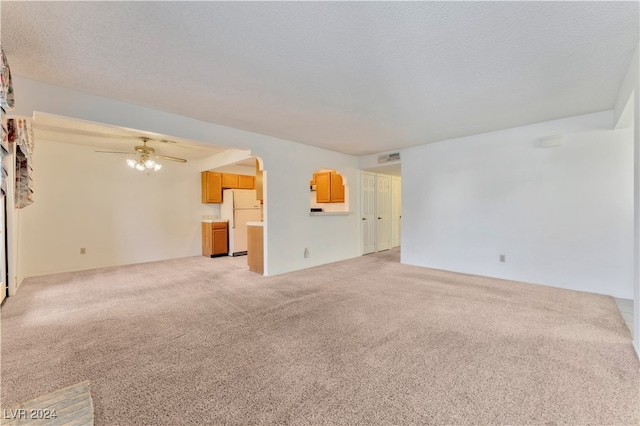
x=246, y=182
x=211, y=187
x=328, y=186
x=337, y=188
x=229, y=180
x=233, y=181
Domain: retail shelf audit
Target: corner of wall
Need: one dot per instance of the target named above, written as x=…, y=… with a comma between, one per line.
x=629, y=83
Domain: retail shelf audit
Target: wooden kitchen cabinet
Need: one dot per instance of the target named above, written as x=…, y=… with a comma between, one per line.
x=215, y=239
x=233, y=181
x=246, y=182
x=329, y=187
x=337, y=188
x=211, y=187
x=229, y=180
x=323, y=187
x=255, y=250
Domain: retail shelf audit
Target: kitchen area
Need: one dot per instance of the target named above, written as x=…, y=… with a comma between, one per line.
x=236, y=226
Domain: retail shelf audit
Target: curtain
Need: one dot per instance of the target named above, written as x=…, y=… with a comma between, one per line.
x=6, y=104
x=4, y=151
x=6, y=92
x=21, y=133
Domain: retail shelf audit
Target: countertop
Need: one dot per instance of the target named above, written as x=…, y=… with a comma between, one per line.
x=255, y=223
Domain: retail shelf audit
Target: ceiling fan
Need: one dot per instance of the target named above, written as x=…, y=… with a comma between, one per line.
x=145, y=156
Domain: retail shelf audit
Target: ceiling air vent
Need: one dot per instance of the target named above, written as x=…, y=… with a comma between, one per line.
x=385, y=158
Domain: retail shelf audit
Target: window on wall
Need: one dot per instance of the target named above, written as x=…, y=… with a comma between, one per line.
x=328, y=191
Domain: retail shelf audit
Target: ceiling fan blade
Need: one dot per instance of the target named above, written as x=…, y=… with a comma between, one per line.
x=164, y=157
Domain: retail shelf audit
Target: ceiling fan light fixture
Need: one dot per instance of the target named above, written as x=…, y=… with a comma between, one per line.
x=144, y=157
x=144, y=163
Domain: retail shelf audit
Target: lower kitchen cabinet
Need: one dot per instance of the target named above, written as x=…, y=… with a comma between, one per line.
x=255, y=251
x=215, y=239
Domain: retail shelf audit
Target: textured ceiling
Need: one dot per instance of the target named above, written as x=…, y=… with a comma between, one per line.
x=354, y=77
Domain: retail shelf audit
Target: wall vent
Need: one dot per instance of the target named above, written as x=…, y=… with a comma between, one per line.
x=385, y=158
x=551, y=141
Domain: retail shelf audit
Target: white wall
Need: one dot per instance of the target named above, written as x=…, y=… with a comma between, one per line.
x=629, y=83
x=627, y=113
x=289, y=228
x=120, y=215
x=237, y=169
x=563, y=216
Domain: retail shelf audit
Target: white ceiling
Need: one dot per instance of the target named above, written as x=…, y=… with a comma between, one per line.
x=354, y=77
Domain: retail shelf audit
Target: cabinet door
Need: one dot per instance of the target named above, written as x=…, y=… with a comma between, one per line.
x=220, y=241
x=245, y=182
x=229, y=180
x=207, y=242
x=337, y=188
x=323, y=187
x=211, y=187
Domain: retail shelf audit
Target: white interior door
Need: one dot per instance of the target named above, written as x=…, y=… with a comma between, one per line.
x=368, y=208
x=383, y=212
x=396, y=211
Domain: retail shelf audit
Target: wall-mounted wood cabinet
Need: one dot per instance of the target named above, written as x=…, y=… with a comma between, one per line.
x=214, y=239
x=229, y=180
x=233, y=181
x=246, y=182
x=213, y=183
x=337, y=188
x=329, y=187
x=211, y=187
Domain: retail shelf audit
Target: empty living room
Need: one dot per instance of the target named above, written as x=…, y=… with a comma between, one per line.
x=320, y=213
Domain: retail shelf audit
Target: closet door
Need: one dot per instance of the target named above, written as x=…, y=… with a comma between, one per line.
x=383, y=212
x=368, y=219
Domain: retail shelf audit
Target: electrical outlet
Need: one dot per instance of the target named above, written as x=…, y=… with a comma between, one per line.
x=306, y=253
x=83, y=250
x=503, y=258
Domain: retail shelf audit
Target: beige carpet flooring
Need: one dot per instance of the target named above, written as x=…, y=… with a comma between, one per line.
x=364, y=341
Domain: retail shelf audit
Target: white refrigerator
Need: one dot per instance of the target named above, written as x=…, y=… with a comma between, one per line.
x=239, y=206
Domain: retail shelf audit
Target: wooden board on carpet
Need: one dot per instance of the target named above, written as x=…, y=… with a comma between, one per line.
x=68, y=406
